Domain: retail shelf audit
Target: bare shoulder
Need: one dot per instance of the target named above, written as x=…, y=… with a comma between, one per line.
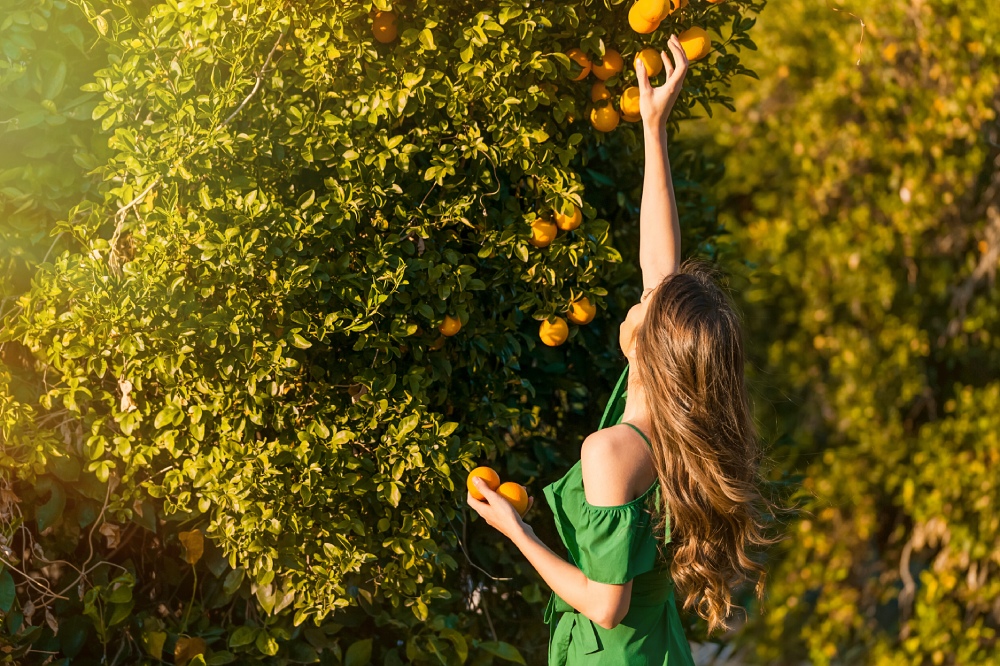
x=612, y=467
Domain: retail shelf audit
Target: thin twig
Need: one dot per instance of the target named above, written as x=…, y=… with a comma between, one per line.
x=461, y=543
x=860, y=20
x=256, y=85
x=486, y=609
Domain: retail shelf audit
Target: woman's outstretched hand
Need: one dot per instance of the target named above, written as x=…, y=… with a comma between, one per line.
x=496, y=510
x=655, y=103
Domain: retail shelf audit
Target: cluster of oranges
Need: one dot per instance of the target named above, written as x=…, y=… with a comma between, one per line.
x=644, y=17
x=514, y=493
x=552, y=333
x=581, y=311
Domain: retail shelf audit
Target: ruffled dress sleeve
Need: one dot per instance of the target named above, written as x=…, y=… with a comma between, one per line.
x=610, y=544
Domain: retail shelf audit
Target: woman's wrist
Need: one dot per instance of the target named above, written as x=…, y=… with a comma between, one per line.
x=655, y=127
x=522, y=534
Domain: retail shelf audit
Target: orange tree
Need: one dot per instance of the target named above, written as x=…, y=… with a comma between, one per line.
x=270, y=290
x=868, y=196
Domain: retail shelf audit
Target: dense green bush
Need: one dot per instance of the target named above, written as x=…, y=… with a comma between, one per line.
x=230, y=427
x=869, y=198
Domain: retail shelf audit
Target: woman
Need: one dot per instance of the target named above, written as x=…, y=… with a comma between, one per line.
x=675, y=460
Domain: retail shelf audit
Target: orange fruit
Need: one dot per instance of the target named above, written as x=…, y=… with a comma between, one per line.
x=439, y=343
x=599, y=92
x=639, y=22
x=581, y=311
x=581, y=59
x=650, y=57
x=569, y=222
x=629, y=102
x=543, y=232
x=384, y=27
x=631, y=119
x=676, y=5
x=450, y=326
x=654, y=10
x=695, y=42
x=610, y=65
x=516, y=494
x=554, y=333
x=604, y=118
x=488, y=475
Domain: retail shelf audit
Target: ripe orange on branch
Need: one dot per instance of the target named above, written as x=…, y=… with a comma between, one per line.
x=581, y=59
x=569, y=222
x=639, y=22
x=695, y=42
x=604, y=118
x=450, y=326
x=610, y=65
x=653, y=10
x=599, y=92
x=554, y=333
x=650, y=58
x=384, y=27
x=581, y=311
x=629, y=104
x=488, y=475
x=543, y=232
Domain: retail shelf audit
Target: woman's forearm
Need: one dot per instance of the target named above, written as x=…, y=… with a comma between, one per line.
x=659, y=226
x=566, y=580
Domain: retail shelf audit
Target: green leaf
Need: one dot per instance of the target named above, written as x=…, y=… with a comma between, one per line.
x=153, y=641
x=242, y=636
x=165, y=416
x=359, y=653
x=49, y=513
x=231, y=583
x=266, y=597
x=427, y=39
x=458, y=640
x=7, y=593
x=306, y=199
x=300, y=342
x=503, y=650
x=407, y=425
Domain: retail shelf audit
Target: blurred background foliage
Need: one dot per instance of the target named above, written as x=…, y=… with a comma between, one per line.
x=867, y=197
x=231, y=431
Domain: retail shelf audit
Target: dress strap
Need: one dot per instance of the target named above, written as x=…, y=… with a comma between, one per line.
x=641, y=433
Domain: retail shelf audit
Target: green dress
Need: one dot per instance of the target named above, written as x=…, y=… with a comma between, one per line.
x=614, y=544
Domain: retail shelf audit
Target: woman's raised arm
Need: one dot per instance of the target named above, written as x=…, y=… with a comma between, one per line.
x=659, y=227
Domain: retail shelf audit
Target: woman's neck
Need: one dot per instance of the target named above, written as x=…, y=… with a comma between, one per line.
x=635, y=412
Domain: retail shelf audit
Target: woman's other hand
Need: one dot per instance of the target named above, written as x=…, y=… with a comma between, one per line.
x=655, y=103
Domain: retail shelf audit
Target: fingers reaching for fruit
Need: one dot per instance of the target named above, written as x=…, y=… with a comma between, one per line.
x=655, y=102
x=502, y=505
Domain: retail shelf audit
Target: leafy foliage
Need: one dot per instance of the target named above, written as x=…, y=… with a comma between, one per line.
x=868, y=197
x=230, y=428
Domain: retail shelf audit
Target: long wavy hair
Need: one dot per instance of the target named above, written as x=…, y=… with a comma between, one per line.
x=690, y=362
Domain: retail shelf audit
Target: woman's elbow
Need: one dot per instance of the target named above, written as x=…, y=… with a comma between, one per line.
x=613, y=618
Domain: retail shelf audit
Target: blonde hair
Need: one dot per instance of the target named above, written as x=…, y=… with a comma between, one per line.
x=690, y=364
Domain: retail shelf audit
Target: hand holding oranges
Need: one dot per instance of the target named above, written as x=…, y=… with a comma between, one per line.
x=502, y=505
